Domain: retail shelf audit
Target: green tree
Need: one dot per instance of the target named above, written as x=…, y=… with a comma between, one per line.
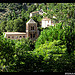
x=18, y=25
x=51, y=52
x=57, y=32
x=2, y=26
x=6, y=53
x=10, y=25
x=23, y=45
x=23, y=50
x=9, y=17
x=66, y=18
x=22, y=13
x=50, y=34
x=14, y=15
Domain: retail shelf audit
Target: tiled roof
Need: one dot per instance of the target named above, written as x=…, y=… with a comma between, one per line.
x=14, y=33
x=45, y=18
x=35, y=11
x=31, y=21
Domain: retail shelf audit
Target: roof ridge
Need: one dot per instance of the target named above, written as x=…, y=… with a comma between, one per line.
x=31, y=21
x=46, y=18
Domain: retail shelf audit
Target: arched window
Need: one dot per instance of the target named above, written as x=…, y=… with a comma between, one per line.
x=23, y=36
x=31, y=35
x=8, y=36
x=32, y=27
x=12, y=36
x=47, y=25
x=20, y=36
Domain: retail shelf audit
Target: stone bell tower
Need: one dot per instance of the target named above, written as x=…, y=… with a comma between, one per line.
x=31, y=29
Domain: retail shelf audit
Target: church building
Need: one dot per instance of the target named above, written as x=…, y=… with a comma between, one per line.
x=31, y=32
x=31, y=29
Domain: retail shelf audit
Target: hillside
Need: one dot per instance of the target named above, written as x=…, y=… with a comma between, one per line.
x=53, y=50
x=5, y=8
x=12, y=13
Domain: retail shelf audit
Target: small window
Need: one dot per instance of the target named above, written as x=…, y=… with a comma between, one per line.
x=20, y=36
x=47, y=25
x=31, y=28
x=33, y=35
x=23, y=36
x=8, y=36
x=12, y=36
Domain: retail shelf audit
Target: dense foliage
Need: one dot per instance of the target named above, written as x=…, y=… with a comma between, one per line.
x=15, y=20
x=53, y=51
x=9, y=49
x=54, y=57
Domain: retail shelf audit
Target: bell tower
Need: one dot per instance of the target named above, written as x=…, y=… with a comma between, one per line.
x=31, y=29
